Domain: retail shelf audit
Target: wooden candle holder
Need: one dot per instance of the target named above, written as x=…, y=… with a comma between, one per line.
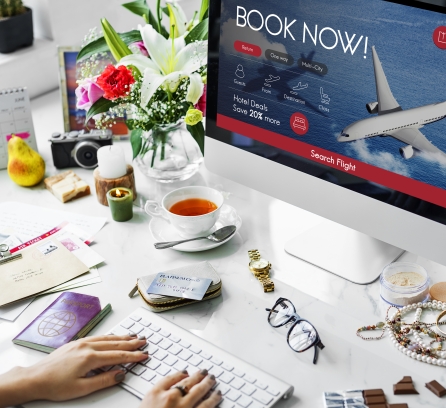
x=103, y=185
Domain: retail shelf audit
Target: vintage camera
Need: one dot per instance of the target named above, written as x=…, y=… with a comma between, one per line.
x=78, y=148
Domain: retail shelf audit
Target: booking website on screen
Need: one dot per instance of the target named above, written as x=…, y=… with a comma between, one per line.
x=356, y=85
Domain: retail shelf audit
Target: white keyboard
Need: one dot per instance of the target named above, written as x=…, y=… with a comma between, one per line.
x=172, y=348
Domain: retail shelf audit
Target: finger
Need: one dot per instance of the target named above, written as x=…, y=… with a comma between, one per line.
x=106, y=338
x=128, y=345
x=198, y=391
x=189, y=382
x=113, y=357
x=212, y=401
x=171, y=380
x=100, y=381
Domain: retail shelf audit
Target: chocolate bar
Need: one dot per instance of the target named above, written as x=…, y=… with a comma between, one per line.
x=406, y=379
x=372, y=393
x=377, y=399
x=400, y=405
x=436, y=388
x=404, y=388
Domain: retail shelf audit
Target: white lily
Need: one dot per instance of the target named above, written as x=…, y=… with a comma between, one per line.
x=170, y=61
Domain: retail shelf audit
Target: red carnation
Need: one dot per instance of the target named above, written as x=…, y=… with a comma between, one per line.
x=115, y=81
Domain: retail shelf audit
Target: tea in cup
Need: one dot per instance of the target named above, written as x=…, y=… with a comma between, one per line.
x=192, y=211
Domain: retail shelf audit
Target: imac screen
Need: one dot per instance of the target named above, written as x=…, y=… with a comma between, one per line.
x=351, y=91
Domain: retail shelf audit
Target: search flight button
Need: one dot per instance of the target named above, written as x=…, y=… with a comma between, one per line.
x=247, y=48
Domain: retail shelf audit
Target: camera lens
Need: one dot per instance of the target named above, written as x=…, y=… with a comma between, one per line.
x=85, y=154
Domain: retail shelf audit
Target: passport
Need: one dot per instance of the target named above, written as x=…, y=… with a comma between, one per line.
x=70, y=317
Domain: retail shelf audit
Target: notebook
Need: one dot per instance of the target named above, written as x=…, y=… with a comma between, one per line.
x=70, y=317
x=15, y=118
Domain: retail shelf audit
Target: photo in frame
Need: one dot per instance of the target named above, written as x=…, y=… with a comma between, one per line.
x=69, y=72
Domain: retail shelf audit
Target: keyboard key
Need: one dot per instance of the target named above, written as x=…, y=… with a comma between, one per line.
x=244, y=401
x=144, y=322
x=163, y=370
x=174, y=348
x=192, y=369
x=138, y=369
x=148, y=375
x=165, y=344
x=128, y=366
x=147, y=333
x=136, y=382
x=260, y=385
x=262, y=397
x=164, y=333
x=180, y=365
x=194, y=360
x=155, y=338
x=135, y=317
x=238, y=373
x=248, y=389
x=106, y=368
x=206, y=355
x=217, y=371
x=237, y=383
x=120, y=331
x=155, y=379
x=155, y=328
x=137, y=328
x=272, y=391
x=226, y=404
x=226, y=378
x=170, y=360
x=233, y=395
x=249, y=378
x=153, y=364
x=174, y=338
x=185, y=355
x=152, y=349
x=223, y=388
x=160, y=354
x=216, y=360
x=195, y=349
x=205, y=365
x=184, y=344
x=127, y=323
x=227, y=367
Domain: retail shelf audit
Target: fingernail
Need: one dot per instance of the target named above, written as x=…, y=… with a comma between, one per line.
x=218, y=392
x=132, y=334
x=184, y=371
x=145, y=352
x=204, y=372
x=141, y=337
x=212, y=377
x=120, y=376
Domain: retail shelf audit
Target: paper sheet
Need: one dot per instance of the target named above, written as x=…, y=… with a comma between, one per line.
x=26, y=221
x=82, y=280
x=12, y=312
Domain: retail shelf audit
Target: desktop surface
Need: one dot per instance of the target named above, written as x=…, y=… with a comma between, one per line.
x=236, y=321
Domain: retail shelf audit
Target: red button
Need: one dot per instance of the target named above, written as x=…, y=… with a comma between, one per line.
x=248, y=48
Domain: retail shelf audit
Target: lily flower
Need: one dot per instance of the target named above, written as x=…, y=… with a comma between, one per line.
x=170, y=61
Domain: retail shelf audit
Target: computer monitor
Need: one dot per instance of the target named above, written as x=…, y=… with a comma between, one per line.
x=336, y=107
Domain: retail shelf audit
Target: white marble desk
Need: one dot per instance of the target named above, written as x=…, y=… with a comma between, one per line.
x=236, y=321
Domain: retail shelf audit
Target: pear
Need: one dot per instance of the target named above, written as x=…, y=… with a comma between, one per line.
x=25, y=166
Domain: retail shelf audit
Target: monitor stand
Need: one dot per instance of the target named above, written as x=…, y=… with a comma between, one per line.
x=345, y=252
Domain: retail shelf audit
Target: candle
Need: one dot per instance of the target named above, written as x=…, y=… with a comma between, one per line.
x=111, y=162
x=120, y=201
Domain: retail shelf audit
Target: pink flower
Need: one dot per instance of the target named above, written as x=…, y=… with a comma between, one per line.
x=201, y=104
x=141, y=47
x=87, y=93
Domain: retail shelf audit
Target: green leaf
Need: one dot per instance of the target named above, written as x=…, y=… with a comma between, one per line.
x=100, y=106
x=203, y=10
x=198, y=33
x=136, y=141
x=138, y=7
x=197, y=132
x=100, y=44
x=117, y=47
x=165, y=11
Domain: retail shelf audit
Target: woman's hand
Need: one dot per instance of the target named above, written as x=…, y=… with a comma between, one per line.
x=62, y=375
x=181, y=391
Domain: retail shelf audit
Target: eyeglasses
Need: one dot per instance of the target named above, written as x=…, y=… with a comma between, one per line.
x=302, y=335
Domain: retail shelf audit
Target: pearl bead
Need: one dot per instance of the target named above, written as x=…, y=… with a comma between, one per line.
x=429, y=304
x=444, y=307
x=444, y=363
x=440, y=362
x=443, y=354
x=419, y=304
x=419, y=357
x=424, y=305
x=429, y=360
x=413, y=354
x=423, y=358
x=434, y=361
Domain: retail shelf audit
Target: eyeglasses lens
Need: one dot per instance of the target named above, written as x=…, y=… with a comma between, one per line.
x=281, y=313
x=302, y=336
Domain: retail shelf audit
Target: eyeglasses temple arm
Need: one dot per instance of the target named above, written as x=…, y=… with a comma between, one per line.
x=268, y=310
x=316, y=354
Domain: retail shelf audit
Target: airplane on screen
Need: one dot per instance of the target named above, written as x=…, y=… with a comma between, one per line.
x=393, y=121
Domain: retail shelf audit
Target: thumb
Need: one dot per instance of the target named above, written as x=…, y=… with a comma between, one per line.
x=100, y=381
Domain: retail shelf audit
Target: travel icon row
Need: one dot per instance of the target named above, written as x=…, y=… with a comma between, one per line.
x=271, y=79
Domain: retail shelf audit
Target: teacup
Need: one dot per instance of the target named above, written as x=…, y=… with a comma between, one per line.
x=188, y=226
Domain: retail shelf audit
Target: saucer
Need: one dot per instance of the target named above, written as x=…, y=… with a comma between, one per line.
x=162, y=231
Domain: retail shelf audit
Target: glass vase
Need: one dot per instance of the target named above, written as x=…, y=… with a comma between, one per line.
x=169, y=153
